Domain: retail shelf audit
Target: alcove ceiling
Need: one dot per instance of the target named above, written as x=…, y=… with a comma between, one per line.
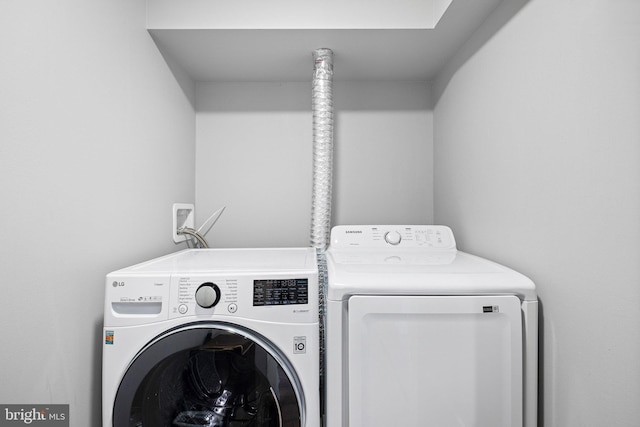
x=256, y=40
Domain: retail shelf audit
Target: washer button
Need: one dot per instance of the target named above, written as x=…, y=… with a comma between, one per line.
x=182, y=308
x=207, y=295
x=232, y=308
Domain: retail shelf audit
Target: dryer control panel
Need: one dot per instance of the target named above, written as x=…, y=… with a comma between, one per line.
x=389, y=236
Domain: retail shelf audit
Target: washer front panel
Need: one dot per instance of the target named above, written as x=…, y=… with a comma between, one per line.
x=255, y=318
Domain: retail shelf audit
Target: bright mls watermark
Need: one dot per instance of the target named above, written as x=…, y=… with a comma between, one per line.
x=35, y=415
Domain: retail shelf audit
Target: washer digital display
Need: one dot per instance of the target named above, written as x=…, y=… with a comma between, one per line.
x=280, y=292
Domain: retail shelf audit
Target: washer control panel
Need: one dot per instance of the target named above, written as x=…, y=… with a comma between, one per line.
x=193, y=295
x=389, y=236
x=266, y=297
x=263, y=285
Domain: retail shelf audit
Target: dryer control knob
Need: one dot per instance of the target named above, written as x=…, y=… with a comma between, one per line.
x=207, y=295
x=393, y=238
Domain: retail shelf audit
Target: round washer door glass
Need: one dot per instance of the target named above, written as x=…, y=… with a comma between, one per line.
x=213, y=375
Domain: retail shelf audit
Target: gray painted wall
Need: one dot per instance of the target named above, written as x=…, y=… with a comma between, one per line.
x=537, y=166
x=254, y=156
x=96, y=143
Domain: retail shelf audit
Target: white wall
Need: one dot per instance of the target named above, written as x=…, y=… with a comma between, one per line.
x=96, y=143
x=537, y=166
x=254, y=156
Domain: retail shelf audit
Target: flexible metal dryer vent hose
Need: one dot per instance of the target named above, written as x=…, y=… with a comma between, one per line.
x=322, y=106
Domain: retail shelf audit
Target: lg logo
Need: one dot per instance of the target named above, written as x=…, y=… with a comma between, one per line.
x=117, y=284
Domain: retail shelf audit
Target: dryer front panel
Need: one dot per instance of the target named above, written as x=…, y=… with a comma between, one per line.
x=209, y=374
x=434, y=360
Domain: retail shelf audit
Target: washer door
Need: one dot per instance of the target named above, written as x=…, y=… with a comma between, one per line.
x=209, y=374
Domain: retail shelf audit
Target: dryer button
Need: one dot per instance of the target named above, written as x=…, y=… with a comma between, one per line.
x=182, y=308
x=232, y=308
x=393, y=238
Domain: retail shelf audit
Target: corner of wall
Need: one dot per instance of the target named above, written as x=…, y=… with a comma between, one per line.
x=500, y=16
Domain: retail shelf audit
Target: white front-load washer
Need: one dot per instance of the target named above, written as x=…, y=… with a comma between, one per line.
x=421, y=334
x=213, y=337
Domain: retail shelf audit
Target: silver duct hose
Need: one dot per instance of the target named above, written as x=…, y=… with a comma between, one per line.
x=322, y=106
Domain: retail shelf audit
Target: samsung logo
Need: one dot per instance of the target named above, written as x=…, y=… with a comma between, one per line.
x=353, y=231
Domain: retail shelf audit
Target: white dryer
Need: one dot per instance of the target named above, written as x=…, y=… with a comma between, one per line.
x=420, y=334
x=213, y=337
